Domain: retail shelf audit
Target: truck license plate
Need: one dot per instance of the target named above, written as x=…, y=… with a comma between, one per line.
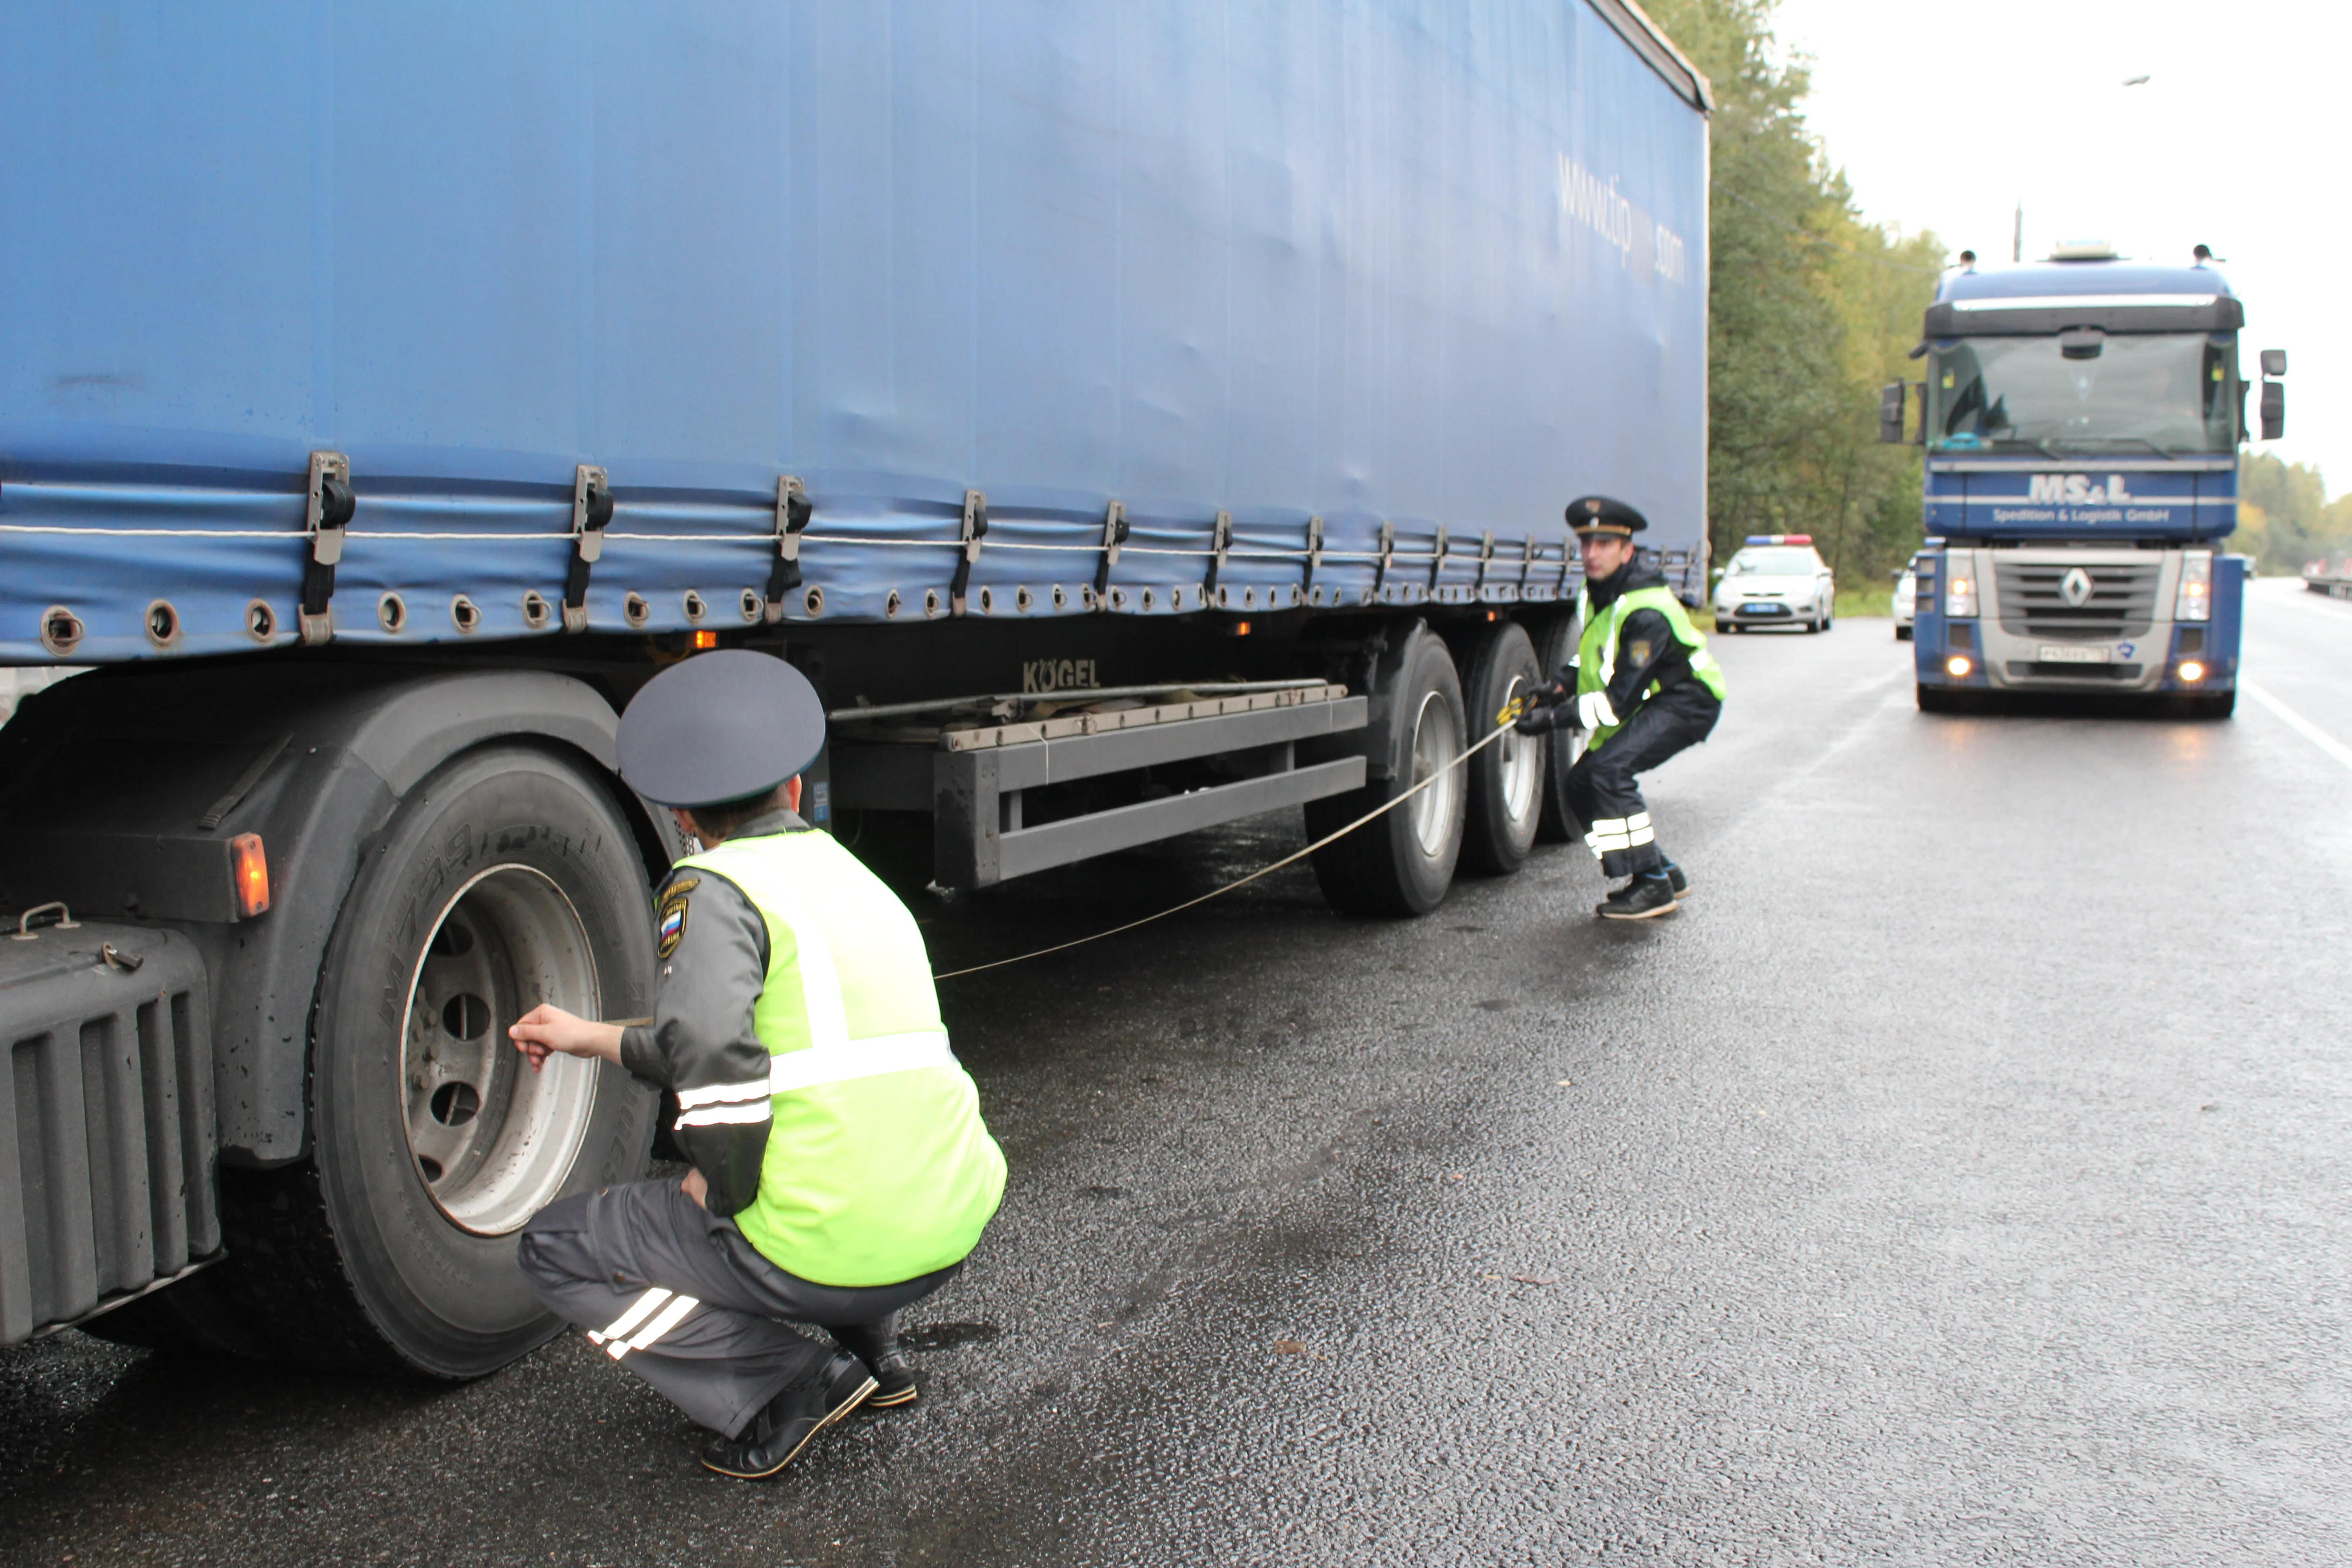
x=2074, y=653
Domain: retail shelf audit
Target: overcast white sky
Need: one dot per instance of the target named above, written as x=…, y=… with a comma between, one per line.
x=1946, y=117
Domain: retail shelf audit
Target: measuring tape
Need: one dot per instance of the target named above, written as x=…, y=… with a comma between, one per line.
x=1503, y=721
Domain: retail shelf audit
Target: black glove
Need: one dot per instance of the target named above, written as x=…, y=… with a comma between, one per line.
x=1544, y=709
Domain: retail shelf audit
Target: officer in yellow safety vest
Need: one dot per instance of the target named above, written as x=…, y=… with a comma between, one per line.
x=841, y=1167
x=1645, y=687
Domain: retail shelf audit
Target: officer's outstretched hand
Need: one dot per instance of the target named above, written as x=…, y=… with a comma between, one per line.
x=1542, y=709
x=547, y=1028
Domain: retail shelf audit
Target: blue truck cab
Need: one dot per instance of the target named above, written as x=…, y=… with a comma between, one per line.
x=2082, y=418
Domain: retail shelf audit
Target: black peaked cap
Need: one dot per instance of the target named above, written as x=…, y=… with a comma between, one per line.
x=719, y=727
x=1599, y=514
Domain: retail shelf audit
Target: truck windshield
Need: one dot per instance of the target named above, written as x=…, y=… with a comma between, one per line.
x=2153, y=392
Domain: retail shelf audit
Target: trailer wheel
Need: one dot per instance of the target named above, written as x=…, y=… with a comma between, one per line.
x=1555, y=639
x=1505, y=782
x=508, y=878
x=1401, y=863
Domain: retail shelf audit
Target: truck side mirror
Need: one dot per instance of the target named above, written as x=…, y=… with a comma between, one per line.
x=1890, y=412
x=2274, y=362
x=2273, y=405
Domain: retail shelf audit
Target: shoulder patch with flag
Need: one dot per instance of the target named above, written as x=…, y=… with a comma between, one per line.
x=670, y=929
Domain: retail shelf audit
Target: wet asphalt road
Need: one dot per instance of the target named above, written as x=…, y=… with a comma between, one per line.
x=1962, y=1177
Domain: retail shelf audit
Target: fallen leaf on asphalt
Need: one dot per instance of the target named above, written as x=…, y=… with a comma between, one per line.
x=1289, y=1347
x=1452, y=1175
x=1532, y=1279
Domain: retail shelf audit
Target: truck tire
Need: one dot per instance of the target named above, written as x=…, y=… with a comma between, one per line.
x=508, y=877
x=1555, y=640
x=1506, y=782
x=1401, y=863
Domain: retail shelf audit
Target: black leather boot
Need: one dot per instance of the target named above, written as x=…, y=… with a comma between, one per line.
x=1645, y=896
x=836, y=1385
x=877, y=1345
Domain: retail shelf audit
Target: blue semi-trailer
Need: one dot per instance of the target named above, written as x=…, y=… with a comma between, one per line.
x=2082, y=417
x=1131, y=419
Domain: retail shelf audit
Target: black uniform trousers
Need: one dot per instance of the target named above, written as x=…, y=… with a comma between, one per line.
x=1599, y=788
x=681, y=1298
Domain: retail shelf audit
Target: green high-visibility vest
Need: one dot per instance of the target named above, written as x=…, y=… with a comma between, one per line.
x=1596, y=651
x=878, y=1167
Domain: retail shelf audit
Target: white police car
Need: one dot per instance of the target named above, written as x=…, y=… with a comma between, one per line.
x=1776, y=580
x=1906, y=600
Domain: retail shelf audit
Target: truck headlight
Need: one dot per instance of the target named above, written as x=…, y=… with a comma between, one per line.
x=2195, y=600
x=1960, y=597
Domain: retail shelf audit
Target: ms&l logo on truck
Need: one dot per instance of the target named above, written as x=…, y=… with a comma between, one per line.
x=2075, y=489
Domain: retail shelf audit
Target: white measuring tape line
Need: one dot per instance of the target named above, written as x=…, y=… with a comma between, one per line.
x=1502, y=728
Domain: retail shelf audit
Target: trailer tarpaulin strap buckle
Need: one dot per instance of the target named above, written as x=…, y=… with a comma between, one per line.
x=327, y=514
x=1314, y=552
x=1221, y=540
x=1437, y=559
x=1115, y=533
x=975, y=529
x=592, y=508
x=1485, y=560
x=1388, y=553
x=794, y=509
x=1527, y=562
x=1566, y=555
x=1620, y=833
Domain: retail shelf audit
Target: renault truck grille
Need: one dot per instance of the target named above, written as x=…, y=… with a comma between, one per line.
x=2037, y=599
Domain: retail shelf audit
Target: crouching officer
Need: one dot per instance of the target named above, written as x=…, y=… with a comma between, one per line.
x=841, y=1168
x=1645, y=687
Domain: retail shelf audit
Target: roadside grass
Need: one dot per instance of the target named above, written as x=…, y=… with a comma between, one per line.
x=1865, y=602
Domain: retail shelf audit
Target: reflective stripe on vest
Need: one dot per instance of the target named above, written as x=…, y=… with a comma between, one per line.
x=870, y=1057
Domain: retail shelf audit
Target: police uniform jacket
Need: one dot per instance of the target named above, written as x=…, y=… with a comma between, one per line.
x=709, y=971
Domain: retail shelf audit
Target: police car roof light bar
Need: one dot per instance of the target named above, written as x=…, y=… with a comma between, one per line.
x=1779, y=539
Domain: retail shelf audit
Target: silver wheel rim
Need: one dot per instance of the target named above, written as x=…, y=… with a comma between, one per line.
x=492, y=1141
x=1436, y=741
x=1522, y=764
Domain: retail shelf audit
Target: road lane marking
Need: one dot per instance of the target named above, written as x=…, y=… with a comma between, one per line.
x=2299, y=724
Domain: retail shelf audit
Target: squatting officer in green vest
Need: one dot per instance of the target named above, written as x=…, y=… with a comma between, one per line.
x=1645, y=687
x=841, y=1168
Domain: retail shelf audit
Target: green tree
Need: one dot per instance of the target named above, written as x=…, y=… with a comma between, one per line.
x=2285, y=518
x=1814, y=309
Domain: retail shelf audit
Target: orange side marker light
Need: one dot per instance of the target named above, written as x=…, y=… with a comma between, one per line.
x=250, y=869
